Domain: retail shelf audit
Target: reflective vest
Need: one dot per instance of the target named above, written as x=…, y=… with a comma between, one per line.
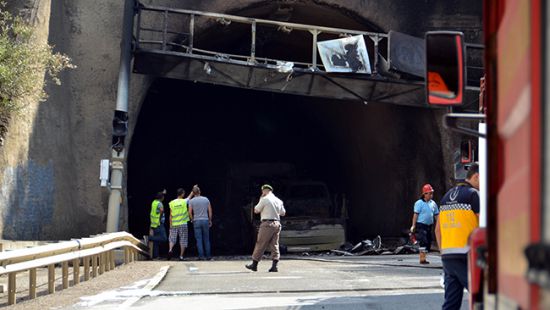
x=457, y=219
x=155, y=215
x=178, y=212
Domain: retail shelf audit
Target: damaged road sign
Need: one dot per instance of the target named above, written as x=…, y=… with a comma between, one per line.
x=345, y=55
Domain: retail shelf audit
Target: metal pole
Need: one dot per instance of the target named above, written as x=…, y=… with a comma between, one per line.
x=375, y=67
x=165, y=31
x=314, y=49
x=191, y=33
x=121, y=118
x=253, y=43
x=125, y=56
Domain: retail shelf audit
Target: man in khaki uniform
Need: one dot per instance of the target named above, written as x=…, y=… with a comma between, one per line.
x=271, y=209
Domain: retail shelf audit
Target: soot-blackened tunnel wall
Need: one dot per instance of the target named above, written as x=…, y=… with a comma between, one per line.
x=187, y=133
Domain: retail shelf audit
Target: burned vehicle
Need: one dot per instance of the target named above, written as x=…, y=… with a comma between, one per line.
x=313, y=221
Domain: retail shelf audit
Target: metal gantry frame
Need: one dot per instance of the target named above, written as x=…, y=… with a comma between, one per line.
x=166, y=45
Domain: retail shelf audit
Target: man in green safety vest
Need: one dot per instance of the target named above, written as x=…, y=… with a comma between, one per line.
x=179, y=216
x=157, y=232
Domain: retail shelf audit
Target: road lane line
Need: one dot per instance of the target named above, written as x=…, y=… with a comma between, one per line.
x=148, y=287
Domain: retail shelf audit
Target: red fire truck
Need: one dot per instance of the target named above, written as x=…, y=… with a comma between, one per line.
x=510, y=257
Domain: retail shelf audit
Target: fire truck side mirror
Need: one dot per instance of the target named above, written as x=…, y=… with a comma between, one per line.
x=445, y=71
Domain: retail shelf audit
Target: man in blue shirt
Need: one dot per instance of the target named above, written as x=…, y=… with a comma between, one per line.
x=425, y=210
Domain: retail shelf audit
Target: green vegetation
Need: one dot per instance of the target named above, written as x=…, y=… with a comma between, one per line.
x=23, y=63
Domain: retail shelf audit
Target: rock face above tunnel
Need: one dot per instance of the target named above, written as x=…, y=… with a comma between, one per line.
x=55, y=179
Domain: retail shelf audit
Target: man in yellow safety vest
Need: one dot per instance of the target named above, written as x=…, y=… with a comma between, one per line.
x=458, y=217
x=157, y=232
x=179, y=217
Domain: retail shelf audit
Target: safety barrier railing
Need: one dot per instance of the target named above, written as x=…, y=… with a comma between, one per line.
x=95, y=254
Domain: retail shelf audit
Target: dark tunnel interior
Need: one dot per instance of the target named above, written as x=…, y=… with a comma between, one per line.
x=230, y=141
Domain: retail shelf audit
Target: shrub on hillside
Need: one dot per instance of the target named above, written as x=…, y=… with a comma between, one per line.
x=24, y=63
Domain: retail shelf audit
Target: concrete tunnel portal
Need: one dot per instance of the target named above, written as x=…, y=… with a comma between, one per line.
x=375, y=156
x=191, y=133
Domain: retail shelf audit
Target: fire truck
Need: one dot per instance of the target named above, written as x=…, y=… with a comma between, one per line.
x=509, y=266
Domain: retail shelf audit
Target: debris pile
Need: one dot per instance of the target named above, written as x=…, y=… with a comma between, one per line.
x=375, y=247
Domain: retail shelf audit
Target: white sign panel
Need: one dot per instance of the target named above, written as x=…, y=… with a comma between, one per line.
x=345, y=55
x=104, y=172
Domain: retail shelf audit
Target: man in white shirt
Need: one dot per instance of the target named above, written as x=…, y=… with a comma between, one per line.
x=271, y=209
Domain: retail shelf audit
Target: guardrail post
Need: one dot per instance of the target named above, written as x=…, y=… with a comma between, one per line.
x=11, y=288
x=86, y=263
x=107, y=261
x=94, y=266
x=126, y=255
x=101, y=263
x=51, y=279
x=76, y=271
x=32, y=283
x=112, y=260
x=65, y=274
x=106, y=265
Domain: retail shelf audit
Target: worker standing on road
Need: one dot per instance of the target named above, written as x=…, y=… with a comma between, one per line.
x=459, y=217
x=271, y=209
x=179, y=216
x=200, y=212
x=425, y=209
x=157, y=232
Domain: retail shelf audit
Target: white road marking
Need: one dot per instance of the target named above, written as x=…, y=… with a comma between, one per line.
x=129, y=294
x=282, y=277
x=149, y=287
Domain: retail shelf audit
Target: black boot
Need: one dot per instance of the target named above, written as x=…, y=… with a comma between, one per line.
x=274, y=266
x=253, y=266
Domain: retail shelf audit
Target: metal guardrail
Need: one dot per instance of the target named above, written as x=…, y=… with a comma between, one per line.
x=96, y=254
x=185, y=40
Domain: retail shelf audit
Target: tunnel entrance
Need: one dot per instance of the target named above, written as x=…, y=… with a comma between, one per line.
x=372, y=158
x=375, y=156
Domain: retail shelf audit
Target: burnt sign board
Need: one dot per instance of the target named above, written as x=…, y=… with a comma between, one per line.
x=407, y=53
x=345, y=55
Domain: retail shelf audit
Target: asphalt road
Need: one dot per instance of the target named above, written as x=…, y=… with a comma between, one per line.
x=367, y=282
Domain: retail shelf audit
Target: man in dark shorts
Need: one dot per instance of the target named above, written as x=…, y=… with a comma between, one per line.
x=425, y=209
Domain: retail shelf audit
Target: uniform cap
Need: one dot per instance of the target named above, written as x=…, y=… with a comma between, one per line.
x=267, y=186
